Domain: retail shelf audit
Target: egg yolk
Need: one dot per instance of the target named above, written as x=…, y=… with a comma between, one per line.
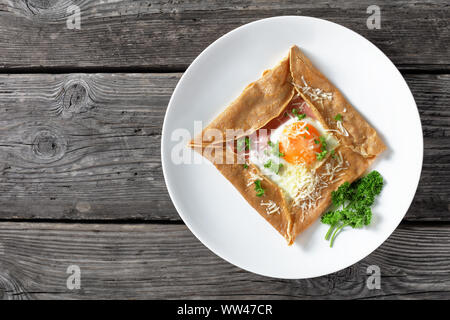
x=299, y=143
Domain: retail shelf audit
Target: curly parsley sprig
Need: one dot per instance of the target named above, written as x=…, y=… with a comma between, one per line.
x=352, y=203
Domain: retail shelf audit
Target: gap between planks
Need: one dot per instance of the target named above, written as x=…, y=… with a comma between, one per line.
x=405, y=70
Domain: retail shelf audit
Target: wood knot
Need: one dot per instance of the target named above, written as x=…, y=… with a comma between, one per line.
x=40, y=4
x=48, y=146
x=47, y=9
x=11, y=288
x=351, y=273
x=73, y=99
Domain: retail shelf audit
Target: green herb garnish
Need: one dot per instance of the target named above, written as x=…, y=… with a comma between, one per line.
x=258, y=188
x=321, y=155
x=245, y=166
x=300, y=116
x=338, y=117
x=275, y=149
x=352, y=203
x=243, y=144
x=323, y=148
x=275, y=167
x=324, y=143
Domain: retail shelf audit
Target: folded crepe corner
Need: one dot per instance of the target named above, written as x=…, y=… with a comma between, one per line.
x=265, y=99
x=261, y=101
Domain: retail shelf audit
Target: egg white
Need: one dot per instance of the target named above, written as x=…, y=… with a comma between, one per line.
x=290, y=176
x=331, y=141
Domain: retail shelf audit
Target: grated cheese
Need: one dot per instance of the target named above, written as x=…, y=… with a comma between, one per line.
x=271, y=207
x=302, y=185
x=334, y=168
x=300, y=105
x=305, y=187
x=341, y=128
x=316, y=94
x=300, y=131
x=253, y=177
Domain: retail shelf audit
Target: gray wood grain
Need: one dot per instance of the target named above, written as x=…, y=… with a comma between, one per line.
x=87, y=146
x=166, y=261
x=168, y=35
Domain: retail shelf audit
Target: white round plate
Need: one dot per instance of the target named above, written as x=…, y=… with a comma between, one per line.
x=211, y=207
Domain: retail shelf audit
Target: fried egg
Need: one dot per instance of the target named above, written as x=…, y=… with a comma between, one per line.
x=300, y=141
x=292, y=166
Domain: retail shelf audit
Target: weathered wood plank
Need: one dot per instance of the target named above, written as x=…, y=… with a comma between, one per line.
x=87, y=146
x=83, y=145
x=168, y=35
x=166, y=261
x=432, y=95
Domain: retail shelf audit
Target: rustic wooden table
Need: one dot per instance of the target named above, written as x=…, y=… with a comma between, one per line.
x=81, y=111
